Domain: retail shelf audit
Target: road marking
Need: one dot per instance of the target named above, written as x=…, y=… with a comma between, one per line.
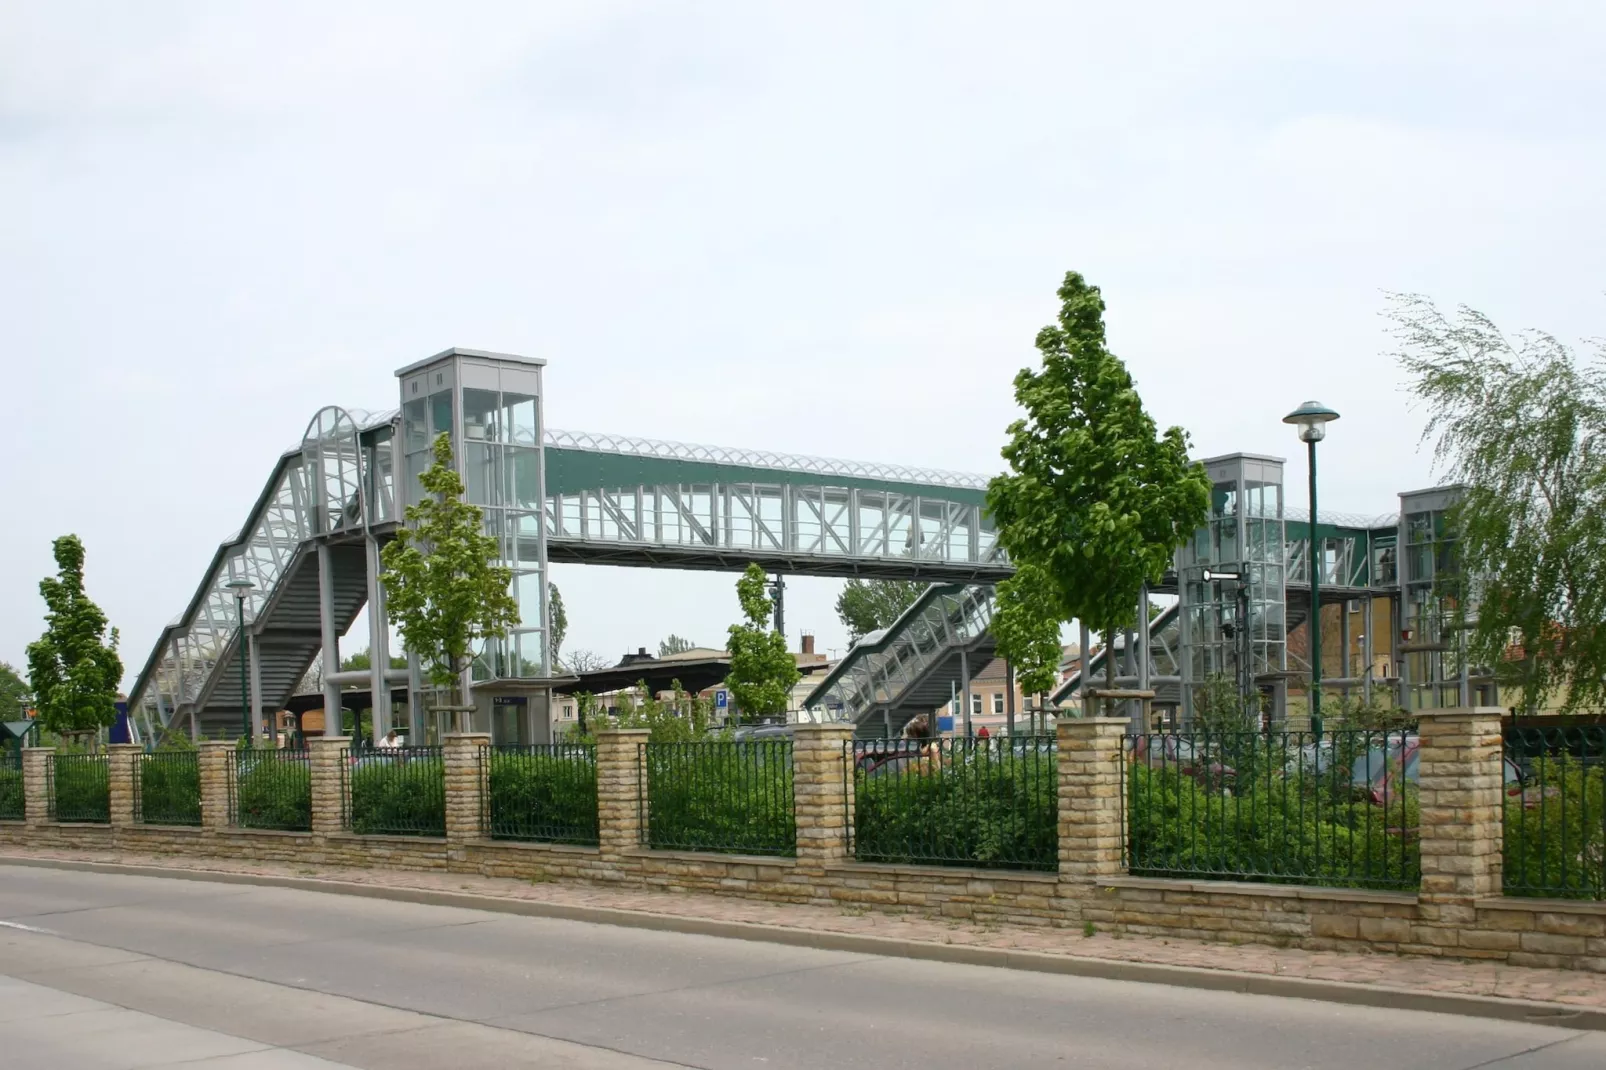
x=26, y=928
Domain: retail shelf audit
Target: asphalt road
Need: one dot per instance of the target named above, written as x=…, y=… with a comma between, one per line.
x=100, y=972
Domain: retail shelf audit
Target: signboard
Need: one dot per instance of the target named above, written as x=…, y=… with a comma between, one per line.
x=722, y=700
x=945, y=724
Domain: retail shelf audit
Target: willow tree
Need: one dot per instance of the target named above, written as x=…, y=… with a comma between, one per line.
x=73, y=667
x=1521, y=422
x=443, y=587
x=1096, y=500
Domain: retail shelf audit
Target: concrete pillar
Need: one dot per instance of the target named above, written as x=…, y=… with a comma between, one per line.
x=463, y=755
x=254, y=661
x=378, y=644
x=621, y=790
x=328, y=785
x=1460, y=800
x=218, y=770
x=822, y=792
x=36, y=783
x=1090, y=832
x=122, y=769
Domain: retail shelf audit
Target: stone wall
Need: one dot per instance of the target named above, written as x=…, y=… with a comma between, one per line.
x=1458, y=911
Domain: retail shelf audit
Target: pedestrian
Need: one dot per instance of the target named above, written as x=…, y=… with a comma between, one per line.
x=982, y=733
x=391, y=741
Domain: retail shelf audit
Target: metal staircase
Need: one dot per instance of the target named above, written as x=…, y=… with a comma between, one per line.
x=909, y=668
x=1164, y=669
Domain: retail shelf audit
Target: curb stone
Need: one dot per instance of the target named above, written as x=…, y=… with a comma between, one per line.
x=1361, y=995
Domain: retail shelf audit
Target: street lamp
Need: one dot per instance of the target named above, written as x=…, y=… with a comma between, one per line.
x=240, y=588
x=1312, y=419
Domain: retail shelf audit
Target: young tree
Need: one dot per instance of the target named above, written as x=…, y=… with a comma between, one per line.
x=865, y=606
x=73, y=667
x=444, y=591
x=362, y=659
x=1522, y=423
x=763, y=671
x=1095, y=499
x=14, y=693
x=560, y=619
x=674, y=645
x=1026, y=625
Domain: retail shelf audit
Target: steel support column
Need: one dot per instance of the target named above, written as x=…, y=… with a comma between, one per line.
x=333, y=721
x=378, y=644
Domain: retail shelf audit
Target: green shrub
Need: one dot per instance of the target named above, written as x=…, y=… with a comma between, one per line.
x=274, y=791
x=402, y=796
x=1296, y=829
x=549, y=796
x=1555, y=831
x=978, y=809
x=11, y=797
x=82, y=791
x=734, y=797
x=170, y=788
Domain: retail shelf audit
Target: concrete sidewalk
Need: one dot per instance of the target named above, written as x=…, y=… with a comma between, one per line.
x=1485, y=989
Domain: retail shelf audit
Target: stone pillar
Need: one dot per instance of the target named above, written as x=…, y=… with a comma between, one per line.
x=462, y=754
x=218, y=769
x=1090, y=756
x=1460, y=798
x=36, y=783
x=328, y=789
x=822, y=792
x=122, y=766
x=621, y=790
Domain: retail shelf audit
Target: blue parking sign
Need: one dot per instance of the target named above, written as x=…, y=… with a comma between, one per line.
x=722, y=700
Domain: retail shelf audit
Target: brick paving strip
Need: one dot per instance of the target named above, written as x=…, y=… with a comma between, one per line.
x=1560, y=997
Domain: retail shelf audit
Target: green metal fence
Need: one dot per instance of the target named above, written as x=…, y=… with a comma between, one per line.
x=719, y=796
x=990, y=803
x=78, y=788
x=167, y=788
x=272, y=789
x=395, y=791
x=546, y=794
x=1555, y=812
x=11, y=794
x=1339, y=810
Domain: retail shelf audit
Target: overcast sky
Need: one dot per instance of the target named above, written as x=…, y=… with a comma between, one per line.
x=823, y=228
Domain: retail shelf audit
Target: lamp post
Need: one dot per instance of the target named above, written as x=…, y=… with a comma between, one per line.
x=1312, y=419
x=240, y=588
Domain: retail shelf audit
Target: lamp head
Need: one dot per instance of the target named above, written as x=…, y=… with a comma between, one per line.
x=239, y=588
x=1312, y=419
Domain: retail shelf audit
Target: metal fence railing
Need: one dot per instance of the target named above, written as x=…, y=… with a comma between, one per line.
x=546, y=794
x=1339, y=810
x=1555, y=812
x=79, y=788
x=11, y=794
x=167, y=788
x=394, y=791
x=989, y=803
x=272, y=789
x=719, y=796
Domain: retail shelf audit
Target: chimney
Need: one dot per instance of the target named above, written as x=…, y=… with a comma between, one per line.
x=808, y=643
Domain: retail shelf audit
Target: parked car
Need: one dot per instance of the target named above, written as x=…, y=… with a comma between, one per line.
x=1380, y=769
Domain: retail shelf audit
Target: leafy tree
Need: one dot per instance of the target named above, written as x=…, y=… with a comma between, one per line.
x=560, y=619
x=1095, y=499
x=14, y=693
x=74, y=667
x=865, y=606
x=1026, y=626
x=363, y=659
x=1522, y=423
x=763, y=671
x=445, y=593
x=674, y=645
